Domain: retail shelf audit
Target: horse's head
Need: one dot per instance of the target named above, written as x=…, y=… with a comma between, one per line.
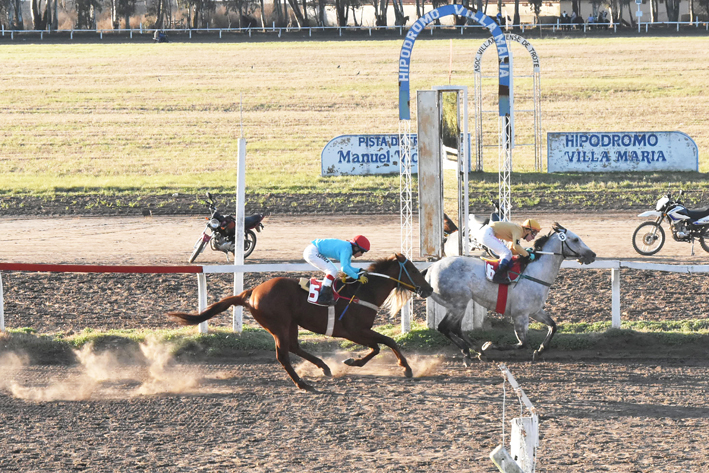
x=568, y=244
x=400, y=269
x=448, y=225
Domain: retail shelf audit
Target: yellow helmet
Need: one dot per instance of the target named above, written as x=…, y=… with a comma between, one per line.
x=532, y=225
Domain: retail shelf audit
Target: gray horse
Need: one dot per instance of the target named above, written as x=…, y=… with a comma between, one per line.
x=457, y=280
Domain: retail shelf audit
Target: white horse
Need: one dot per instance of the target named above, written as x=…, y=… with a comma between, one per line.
x=457, y=280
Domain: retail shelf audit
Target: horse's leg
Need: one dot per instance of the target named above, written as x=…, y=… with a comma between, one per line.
x=370, y=338
x=296, y=349
x=365, y=359
x=282, y=349
x=521, y=323
x=544, y=318
x=450, y=327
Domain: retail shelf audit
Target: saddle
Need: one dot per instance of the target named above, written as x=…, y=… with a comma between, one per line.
x=312, y=286
x=513, y=274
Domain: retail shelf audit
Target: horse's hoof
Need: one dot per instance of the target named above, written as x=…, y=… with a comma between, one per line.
x=408, y=373
x=305, y=386
x=536, y=354
x=349, y=362
x=486, y=346
x=326, y=371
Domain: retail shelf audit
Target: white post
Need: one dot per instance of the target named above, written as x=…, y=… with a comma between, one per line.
x=2, y=308
x=202, y=299
x=615, y=298
x=238, y=316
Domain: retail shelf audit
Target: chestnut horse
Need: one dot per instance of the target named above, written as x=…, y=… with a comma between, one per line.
x=280, y=305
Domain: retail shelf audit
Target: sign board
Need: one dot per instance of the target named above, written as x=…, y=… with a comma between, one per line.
x=639, y=2
x=621, y=151
x=348, y=155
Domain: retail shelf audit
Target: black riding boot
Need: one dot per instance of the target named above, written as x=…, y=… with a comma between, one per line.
x=326, y=296
x=500, y=276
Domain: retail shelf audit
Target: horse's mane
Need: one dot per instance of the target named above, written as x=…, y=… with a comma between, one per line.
x=399, y=296
x=380, y=265
x=541, y=241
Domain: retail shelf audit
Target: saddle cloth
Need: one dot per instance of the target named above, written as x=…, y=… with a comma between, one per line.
x=312, y=286
x=513, y=273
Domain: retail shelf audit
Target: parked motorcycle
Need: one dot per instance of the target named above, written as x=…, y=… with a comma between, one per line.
x=220, y=232
x=686, y=226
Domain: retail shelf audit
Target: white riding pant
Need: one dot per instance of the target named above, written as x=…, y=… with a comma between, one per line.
x=487, y=237
x=312, y=256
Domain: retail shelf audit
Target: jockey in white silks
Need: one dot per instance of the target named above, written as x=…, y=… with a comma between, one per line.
x=320, y=252
x=495, y=234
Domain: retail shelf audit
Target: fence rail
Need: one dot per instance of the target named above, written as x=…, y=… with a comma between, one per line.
x=614, y=265
x=339, y=30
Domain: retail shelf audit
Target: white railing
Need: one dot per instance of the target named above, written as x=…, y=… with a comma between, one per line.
x=401, y=30
x=614, y=265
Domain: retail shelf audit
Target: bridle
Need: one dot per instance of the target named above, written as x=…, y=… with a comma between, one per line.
x=561, y=234
x=399, y=282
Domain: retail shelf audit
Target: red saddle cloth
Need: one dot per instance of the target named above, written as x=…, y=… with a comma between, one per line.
x=513, y=273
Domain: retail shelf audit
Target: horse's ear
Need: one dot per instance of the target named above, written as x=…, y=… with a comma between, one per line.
x=557, y=227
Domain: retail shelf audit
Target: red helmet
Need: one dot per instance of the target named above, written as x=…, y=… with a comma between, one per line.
x=361, y=242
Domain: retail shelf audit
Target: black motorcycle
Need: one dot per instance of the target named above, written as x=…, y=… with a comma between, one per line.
x=686, y=226
x=220, y=232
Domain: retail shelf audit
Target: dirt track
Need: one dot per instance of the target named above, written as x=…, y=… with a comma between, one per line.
x=623, y=412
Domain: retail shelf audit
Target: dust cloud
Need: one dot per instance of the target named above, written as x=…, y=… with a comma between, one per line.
x=99, y=376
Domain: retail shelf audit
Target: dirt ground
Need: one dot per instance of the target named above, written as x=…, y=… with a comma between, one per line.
x=630, y=411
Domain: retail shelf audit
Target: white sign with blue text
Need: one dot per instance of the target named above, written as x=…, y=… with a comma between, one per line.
x=621, y=152
x=348, y=155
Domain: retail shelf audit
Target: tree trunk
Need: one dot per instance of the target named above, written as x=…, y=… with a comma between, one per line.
x=263, y=17
x=321, y=12
x=672, y=9
x=296, y=11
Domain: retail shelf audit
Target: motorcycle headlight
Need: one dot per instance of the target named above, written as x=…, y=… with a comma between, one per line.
x=214, y=223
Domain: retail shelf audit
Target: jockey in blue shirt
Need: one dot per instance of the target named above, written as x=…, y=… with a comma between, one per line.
x=320, y=252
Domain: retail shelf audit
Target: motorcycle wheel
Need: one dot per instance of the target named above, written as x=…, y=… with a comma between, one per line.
x=249, y=242
x=648, y=238
x=198, y=247
x=703, y=237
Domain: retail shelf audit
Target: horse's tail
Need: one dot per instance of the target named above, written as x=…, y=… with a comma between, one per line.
x=214, y=309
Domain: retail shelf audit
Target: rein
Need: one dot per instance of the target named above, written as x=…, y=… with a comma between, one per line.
x=562, y=237
x=402, y=269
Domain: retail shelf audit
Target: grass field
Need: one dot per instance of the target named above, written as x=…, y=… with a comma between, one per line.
x=156, y=118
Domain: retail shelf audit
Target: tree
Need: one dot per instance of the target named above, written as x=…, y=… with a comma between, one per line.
x=14, y=14
x=672, y=9
x=158, y=9
x=40, y=16
x=121, y=8
x=536, y=8
x=86, y=14
x=380, y=12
